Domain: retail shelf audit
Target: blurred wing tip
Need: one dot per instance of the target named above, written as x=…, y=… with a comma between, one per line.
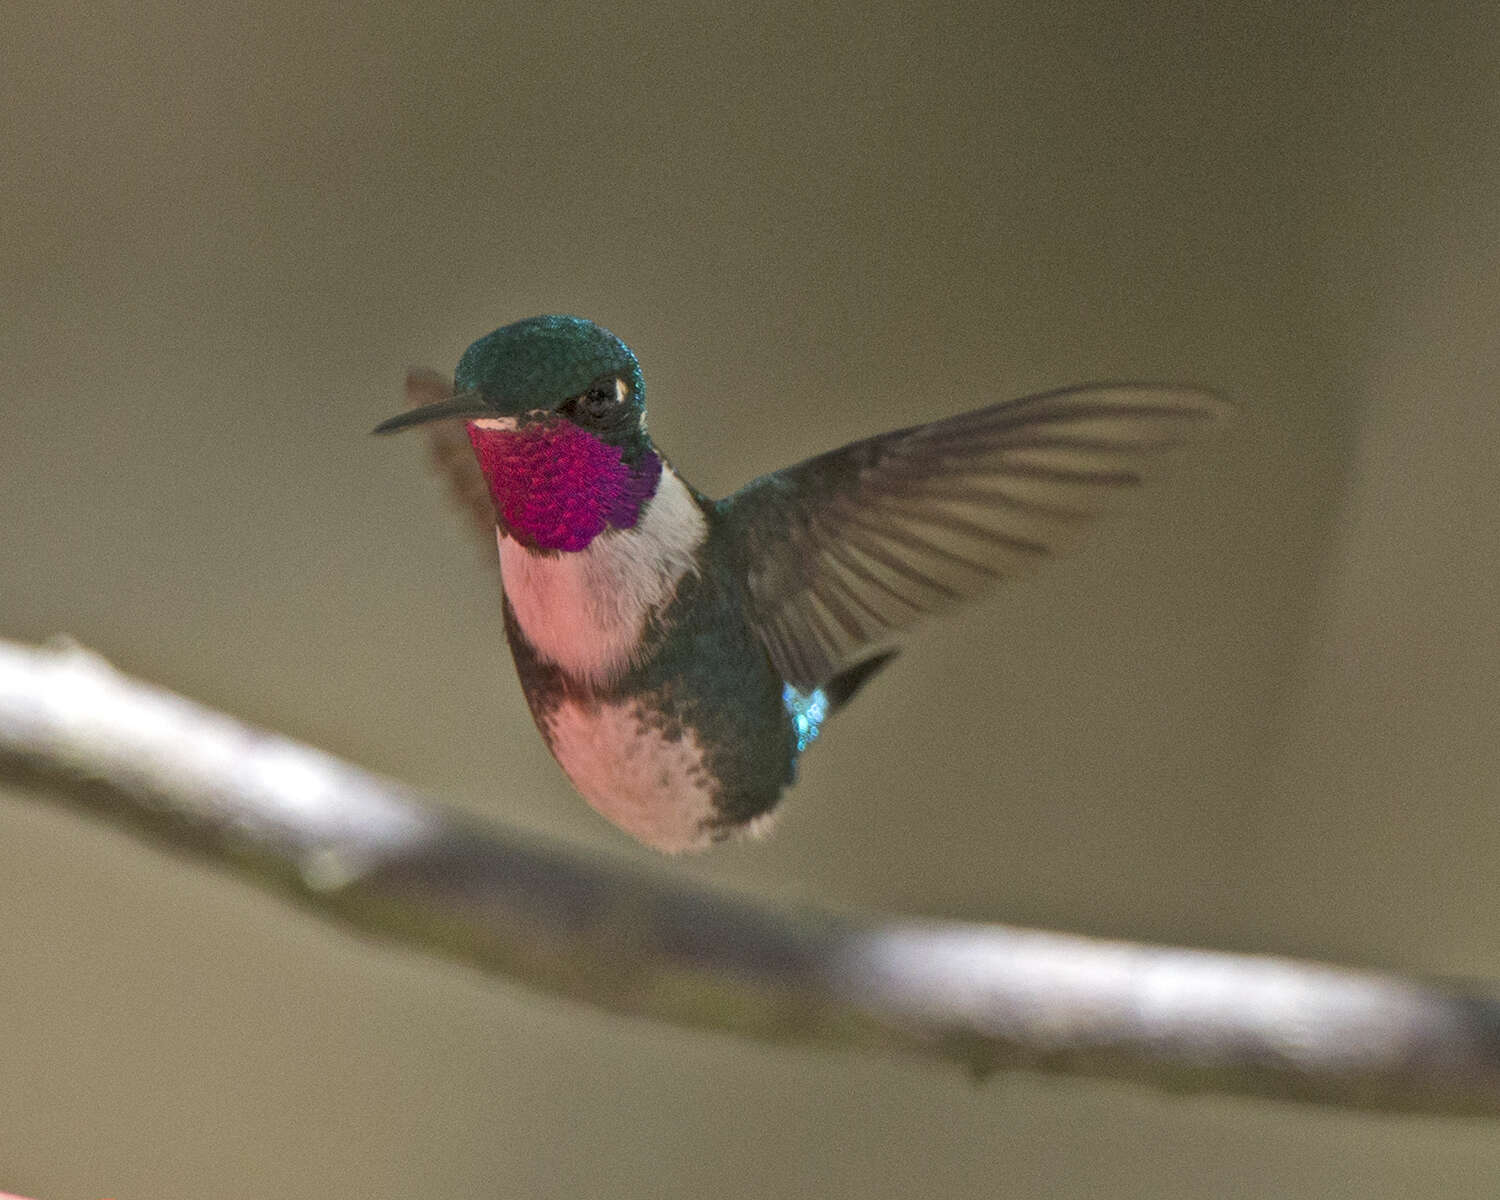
x=1190, y=399
x=426, y=386
x=1212, y=404
x=1189, y=410
x=1172, y=387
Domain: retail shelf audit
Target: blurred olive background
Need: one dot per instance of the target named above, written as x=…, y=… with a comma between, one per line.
x=1258, y=713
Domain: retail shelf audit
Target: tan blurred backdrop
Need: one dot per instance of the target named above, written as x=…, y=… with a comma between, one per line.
x=1258, y=713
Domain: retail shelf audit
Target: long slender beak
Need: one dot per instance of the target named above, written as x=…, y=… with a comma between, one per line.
x=465, y=404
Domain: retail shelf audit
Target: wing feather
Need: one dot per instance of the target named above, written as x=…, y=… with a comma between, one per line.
x=844, y=551
x=452, y=457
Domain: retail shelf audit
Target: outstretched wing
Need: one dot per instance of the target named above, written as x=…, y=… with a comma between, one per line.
x=843, y=551
x=452, y=456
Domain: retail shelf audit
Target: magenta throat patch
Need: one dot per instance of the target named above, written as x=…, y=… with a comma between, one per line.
x=557, y=487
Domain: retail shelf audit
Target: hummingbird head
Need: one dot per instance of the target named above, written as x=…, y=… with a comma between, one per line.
x=541, y=368
x=556, y=414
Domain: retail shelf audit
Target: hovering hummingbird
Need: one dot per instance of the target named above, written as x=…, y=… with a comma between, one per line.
x=679, y=653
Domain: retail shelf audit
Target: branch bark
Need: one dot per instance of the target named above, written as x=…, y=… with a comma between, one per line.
x=375, y=855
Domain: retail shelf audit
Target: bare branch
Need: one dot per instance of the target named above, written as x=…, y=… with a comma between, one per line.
x=375, y=856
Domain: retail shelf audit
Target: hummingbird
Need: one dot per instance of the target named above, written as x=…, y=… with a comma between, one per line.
x=679, y=653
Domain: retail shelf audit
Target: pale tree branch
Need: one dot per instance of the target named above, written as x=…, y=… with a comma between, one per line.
x=374, y=855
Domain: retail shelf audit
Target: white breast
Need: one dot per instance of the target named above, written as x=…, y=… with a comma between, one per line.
x=652, y=786
x=585, y=611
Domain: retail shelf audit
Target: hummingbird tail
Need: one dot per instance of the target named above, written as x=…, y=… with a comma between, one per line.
x=842, y=687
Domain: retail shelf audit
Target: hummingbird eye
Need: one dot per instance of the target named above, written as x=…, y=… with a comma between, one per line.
x=602, y=397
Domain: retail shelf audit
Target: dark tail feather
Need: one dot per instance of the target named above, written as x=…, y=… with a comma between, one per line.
x=841, y=688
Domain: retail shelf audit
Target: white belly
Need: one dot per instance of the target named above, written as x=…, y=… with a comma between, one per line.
x=653, y=786
x=585, y=611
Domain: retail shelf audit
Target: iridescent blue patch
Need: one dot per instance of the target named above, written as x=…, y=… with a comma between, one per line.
x=808, y=711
